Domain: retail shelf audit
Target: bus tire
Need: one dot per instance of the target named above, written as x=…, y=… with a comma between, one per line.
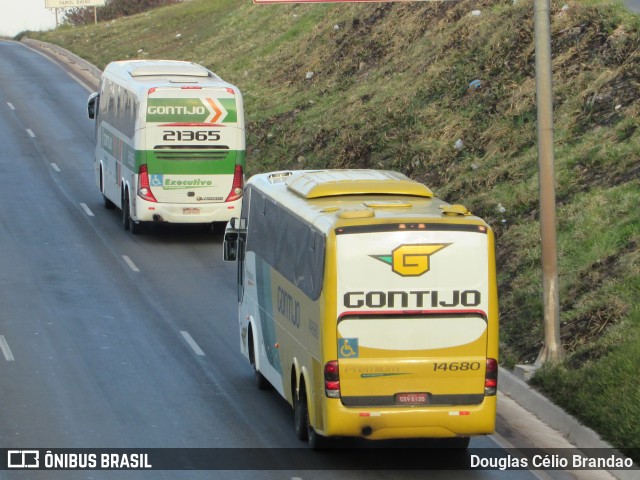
x=125, y=211
x=304, y=430
x=301, y=414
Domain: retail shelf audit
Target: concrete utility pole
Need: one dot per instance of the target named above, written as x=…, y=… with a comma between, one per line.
x=552, y=350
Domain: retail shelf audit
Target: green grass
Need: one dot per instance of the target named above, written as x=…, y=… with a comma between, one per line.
x=390, y=89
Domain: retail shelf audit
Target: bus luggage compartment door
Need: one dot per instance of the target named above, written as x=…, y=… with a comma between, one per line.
x=405, y=361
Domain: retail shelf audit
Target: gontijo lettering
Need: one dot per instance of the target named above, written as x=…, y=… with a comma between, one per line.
x=413, y=299
x=289, y=307
x=191, y=110
x=175, y=110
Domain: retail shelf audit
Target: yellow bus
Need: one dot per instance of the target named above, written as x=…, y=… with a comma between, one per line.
x=370, y=305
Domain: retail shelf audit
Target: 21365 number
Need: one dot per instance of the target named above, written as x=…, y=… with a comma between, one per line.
x=190, y=135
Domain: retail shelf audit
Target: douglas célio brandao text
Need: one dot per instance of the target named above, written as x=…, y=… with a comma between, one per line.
x=565, y=461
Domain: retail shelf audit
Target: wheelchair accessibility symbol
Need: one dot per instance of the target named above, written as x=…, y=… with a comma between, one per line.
x=348, y=348
x=156, y=180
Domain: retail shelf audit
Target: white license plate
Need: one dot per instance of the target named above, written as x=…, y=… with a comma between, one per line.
x=191, y=211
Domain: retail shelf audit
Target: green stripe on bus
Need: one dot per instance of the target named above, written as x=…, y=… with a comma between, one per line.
x=190, y=165
x=191, y=110
x=229, y=105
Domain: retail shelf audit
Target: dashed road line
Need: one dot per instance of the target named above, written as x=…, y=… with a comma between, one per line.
x=129, y=262
x=56, y=168
x=87, y=210
x=4, y=346
x=192, y=343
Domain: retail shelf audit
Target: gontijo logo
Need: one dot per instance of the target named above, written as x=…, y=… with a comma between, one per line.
x=191, y=110
x=411, y=260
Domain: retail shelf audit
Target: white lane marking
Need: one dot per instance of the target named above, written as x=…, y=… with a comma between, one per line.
x=192, y=343
x=11, y=106
x=5, y=349
x=30, y=132
x=55, y=167
x=129, y=262
x=87, y=210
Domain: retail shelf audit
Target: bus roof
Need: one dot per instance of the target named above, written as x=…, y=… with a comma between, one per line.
x=327, y=183
x=165, y=68
x=328, y=197
x=162, y=72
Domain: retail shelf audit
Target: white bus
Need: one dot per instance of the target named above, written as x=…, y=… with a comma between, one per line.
x=370, y=305
x=170, y=143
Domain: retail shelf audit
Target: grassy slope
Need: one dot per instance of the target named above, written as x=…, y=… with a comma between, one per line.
x=390, y=89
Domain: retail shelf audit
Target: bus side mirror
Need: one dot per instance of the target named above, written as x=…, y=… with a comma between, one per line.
x=92, y=105
x=234, y=230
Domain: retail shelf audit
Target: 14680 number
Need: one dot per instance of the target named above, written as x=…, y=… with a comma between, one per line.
x=456, y=366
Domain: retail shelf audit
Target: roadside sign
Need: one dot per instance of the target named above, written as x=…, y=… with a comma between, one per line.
x=338, y=1
x=73, y=3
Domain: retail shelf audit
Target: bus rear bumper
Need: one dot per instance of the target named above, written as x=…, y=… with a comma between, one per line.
x=410, y=422
x=186, y=212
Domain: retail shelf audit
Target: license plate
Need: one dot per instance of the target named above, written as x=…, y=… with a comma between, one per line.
x=411, y=398
x=191, y=211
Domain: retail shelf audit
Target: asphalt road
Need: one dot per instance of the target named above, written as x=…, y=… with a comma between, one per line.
x=633, y=5
x=111, y=340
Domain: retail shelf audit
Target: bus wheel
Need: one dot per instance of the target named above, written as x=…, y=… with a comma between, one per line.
x=301, y=414
x=125, y=212
x=304, y=430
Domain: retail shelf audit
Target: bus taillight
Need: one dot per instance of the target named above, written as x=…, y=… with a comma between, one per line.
x=491, y=377
x=332, y=379
x=144, y=188
x=236, y=187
